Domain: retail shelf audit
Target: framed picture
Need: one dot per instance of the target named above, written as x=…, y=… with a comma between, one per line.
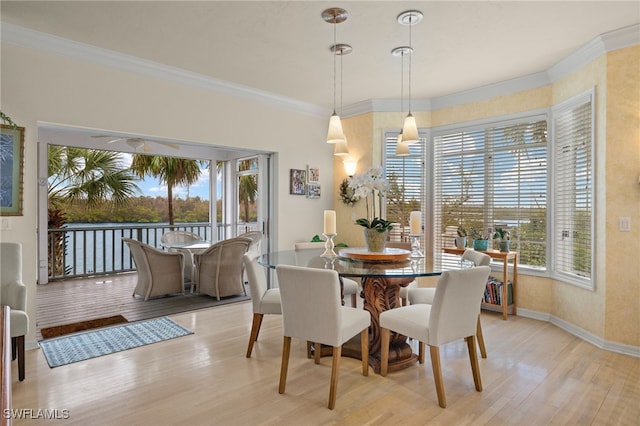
x=297, y=181
x=313, y=190
x=313, y=175
x=11, y=160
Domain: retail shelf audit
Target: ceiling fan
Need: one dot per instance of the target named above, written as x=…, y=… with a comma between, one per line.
x=136, y=143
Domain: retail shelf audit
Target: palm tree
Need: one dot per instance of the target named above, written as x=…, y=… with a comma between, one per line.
x=169, y=170
x=78, y=174
x=247, y=188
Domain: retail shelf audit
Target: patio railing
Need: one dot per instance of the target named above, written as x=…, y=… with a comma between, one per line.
x=86, y=249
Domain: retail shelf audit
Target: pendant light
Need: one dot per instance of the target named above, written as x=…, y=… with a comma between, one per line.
x=341, y=148
x=334, y=15
x=402, y=149
x=410, y=129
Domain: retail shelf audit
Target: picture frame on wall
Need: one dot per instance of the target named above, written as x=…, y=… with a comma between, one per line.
x=11, y=170
x=313, y=175
x=313, y=190
x=297, y=181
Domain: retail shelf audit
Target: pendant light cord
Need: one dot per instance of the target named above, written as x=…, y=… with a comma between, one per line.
x=410, y=55
x=334, y=63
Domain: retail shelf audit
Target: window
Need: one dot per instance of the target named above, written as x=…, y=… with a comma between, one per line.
x=573, y=190
x=406, y=177
x=492, y=176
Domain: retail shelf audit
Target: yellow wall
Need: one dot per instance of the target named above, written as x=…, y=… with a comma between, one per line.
x=622, y=197
x=612, y=311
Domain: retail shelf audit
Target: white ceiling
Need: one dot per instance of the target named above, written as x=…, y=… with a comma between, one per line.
x=283, y=47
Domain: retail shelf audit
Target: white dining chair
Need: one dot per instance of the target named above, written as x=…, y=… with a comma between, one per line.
x=312, y=310
x=349, y=287
x=264, y=300
x=452, y=316
x=14, y=294
x=426, y=295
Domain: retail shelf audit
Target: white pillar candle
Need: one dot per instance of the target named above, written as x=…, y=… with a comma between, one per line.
x=415, y=222
x=329, y=222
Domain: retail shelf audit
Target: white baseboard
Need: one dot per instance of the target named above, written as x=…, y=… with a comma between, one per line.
x=597, y=341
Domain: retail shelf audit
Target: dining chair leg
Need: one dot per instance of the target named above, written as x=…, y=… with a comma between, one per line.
x=286, y=349
x=437, y=375
x=385, y=337
x=354, y=300
x=14, y=348
x=317, y=349
x=421, y=352
x=364, y=350
x=335, y=368
x=309, y=349
x=21, y=360
x=255, y=330
x=473, y=357
x=483, y=350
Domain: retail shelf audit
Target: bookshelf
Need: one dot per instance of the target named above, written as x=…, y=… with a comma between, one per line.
x=512, y=257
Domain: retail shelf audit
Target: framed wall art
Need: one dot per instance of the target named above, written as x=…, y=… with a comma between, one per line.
x=313, y=175
x=11, y=163
x=297, y=182
x=313, y=190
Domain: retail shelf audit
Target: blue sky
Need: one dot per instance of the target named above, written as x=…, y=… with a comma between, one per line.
x=151, y=187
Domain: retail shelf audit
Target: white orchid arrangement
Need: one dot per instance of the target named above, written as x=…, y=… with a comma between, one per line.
x=369, y=186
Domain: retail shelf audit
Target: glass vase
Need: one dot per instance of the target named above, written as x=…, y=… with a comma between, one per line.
x=375, y=240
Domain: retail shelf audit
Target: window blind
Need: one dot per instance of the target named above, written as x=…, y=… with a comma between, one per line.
x=492, y=176
x=406, y=177
x=573, y=189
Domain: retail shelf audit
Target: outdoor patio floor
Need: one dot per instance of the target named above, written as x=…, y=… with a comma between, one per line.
x=65, y=302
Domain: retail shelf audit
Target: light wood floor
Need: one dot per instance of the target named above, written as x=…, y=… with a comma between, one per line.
x=535, y=374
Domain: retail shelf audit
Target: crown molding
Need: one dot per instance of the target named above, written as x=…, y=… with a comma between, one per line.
x=24, y=37
x=613, y=40
x=607, y=42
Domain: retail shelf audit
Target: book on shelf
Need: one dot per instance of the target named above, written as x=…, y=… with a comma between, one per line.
x=493, y=292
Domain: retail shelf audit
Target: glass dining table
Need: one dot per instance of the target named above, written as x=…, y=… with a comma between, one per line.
x=381, y=277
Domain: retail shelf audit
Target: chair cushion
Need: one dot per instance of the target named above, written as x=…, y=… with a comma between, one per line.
x=353, y=322
x=404, y=291
x=270, y=303
x=411, y=321
x=350, y=286
x=19, y=323
x=421, y=295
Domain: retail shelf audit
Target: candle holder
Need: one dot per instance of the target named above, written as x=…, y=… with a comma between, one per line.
x=416, y=253
x=328, y=246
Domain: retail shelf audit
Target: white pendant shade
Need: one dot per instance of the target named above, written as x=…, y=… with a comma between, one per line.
x=402, y=149
x=410, y=130
x=335, y=133
x=341, y=148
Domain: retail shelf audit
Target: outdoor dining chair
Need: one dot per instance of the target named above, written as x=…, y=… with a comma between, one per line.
x=160, y=273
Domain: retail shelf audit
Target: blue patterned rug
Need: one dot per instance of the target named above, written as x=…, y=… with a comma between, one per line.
x=80, y=346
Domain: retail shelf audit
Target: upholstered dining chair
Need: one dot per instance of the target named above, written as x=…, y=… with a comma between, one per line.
x=349, y=287
x=264, y=300
x=14, y=295
x=404, y=291
x=426, y=295
x=182, y=237
x=312, y=311
x=160, y=273
x=452, y=316
x=219, y=269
